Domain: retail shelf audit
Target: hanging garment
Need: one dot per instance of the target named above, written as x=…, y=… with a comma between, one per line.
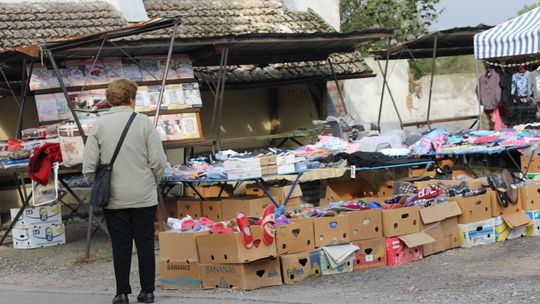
x=490, y=91
x=506, y=88
x=520, y=82
x=534, y=85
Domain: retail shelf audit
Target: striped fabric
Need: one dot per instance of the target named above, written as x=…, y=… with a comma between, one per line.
x=519, y=36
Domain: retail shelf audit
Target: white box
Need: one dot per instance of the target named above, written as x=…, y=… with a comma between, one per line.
x=534, y=229
x=39, y=236
x=38, y=216
x=326, y=268
x=242, y=164
x=517, y=232
x=286, y=169
x=479, y=233
x=289, y=159
x=245, y=174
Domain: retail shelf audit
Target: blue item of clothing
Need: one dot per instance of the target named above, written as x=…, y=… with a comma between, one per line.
x=374, y=205
x=520, y=84
x=481, y=133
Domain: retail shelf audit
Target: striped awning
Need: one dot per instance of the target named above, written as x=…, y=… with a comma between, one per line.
x=516, y=37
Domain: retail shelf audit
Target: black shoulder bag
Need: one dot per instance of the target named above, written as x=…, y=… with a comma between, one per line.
x=101, y=189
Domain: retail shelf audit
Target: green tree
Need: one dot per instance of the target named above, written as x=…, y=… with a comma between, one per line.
x=410, y=18
x=528, y=7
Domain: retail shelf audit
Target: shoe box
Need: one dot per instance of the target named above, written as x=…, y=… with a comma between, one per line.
x=406, y=249
x=530, y=197
x=189, y=206
x=250, y=205
x=505, y=229
x=401, y=221
x=371, y=254
x=337, y=259
x=534, y=228
x=212, y=191
x=296, y=237
x=175, y=274
x=440, y=222
x=331, y=230
x=247, y=276
x=243, y=168
x=298, y=267
x=179, y=247
x=38, y=236
x=348, y=190
x=498, y=210
x=212, y=209
x=38, y=216
x=479, y=233
x=229, y=248
x=365, y=225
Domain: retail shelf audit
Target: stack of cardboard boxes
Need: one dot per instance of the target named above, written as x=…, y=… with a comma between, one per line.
x=38, y=227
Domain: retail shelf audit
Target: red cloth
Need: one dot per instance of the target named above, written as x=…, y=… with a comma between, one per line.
x=41, y=162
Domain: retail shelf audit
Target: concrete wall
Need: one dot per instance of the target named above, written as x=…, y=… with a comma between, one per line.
x=327, y=9
x=453, y=95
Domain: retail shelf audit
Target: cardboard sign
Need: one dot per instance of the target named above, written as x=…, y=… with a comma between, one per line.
x=229, y=248
x=179, y=274
x=300, y=266
x=191, y=207
x=296, y=237
x=372, y=253
x=249, y=276
x=365, y=225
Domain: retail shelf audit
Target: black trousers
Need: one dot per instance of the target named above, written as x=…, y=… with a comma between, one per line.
x=126, y=225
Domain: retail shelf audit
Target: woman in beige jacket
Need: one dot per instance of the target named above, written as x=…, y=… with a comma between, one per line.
x=138, y=168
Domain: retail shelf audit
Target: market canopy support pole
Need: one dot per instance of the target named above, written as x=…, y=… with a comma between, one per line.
x=166, y=73
x=66, y=95
x=431, y=80
x=24, y=92
x=392, y=98
x=478, y=95
x=340, y=93
x=384, y=81
x=218, y=98
x=221, y=100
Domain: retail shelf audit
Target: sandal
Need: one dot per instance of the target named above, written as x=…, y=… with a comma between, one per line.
x=243, y=224
x=268, y=225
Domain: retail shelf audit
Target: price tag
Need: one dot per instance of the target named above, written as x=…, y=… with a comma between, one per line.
x=369, y=258
x=353, y=171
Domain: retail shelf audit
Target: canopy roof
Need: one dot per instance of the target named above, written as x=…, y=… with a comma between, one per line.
x=516, y=37
x=450, y=42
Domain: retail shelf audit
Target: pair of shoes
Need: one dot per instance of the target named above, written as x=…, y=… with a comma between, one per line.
x=145, y=297
x=121, y=299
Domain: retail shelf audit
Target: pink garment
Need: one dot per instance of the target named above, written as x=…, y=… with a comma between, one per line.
x=497, y=121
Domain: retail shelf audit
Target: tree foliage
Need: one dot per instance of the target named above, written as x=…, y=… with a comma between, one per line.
x=528, y=7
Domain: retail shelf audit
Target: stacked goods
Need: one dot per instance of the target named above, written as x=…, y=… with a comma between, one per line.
x=38, y=227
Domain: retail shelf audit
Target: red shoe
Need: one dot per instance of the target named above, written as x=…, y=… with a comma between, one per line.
x=268, y=225
x=243, y=224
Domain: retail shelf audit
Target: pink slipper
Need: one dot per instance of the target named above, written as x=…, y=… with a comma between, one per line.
x=220, y=228
x=268, y=225
x=243, y=224
x=204, y=221
x=188, y=224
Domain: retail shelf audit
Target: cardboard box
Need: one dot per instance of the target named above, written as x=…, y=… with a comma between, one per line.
x=269, y=170
x=512, y=226
x=497, y=209
x=38, y=236
x=281, y=192
x=348, y=190
x=250, y=205
x=229, y=249
x=171, y=206
x=38, y=216
x=179, y=274
x=387, y=189
x=401, y=250
x=189, y=206
x=440, y=222
x=283, y=160
x=268, y=160
x=180, y=247
x=212, y=209
x=401, y=221
x=295, y=238
x=534, y=228
x=530, y=197
x=534, y=167
x=286, y=169
x=249, y=276
x=244, y=164
x=473, y=183
x=474, y=209
x=479, y=233
x=365, y=225
x=244, y=174
x=298, y=267
x=372, y=253
x=331, y=230
x=294, y=203
x=327, y=269
x=211, y=191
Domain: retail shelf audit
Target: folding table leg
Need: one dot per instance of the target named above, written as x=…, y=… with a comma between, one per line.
x=514, y=161
x=263, y=188
x=194, y=189
x=283, y=206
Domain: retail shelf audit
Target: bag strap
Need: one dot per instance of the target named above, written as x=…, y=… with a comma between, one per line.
x=122, y=137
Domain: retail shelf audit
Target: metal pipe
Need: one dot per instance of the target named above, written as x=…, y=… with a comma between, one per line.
x=392, y=98
x=216, y=97
x=337, y=85
x=221, y=100
x=9, y=87
x=25, y=87
x=166, y=72
x=478, y=95
x=384, y=81
x=432, y=76
x=66, y=95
